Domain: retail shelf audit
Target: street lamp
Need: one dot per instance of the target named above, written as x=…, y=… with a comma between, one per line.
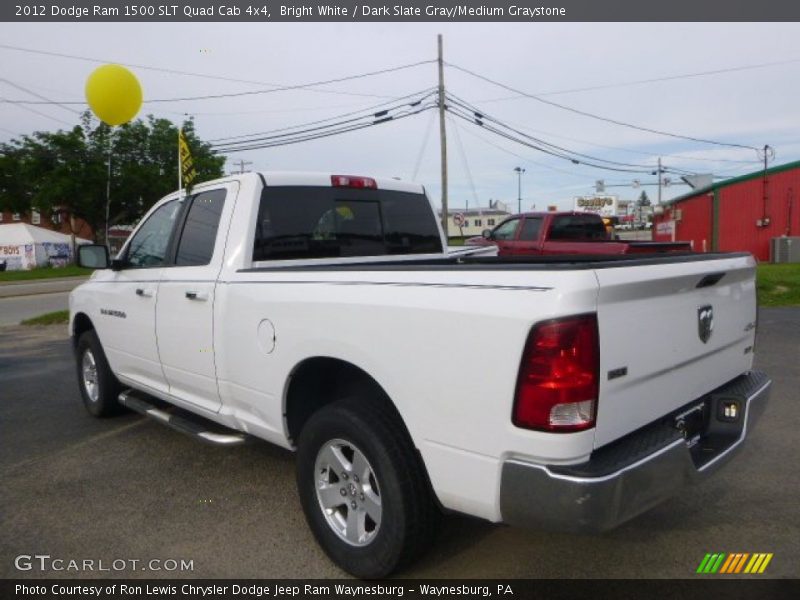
x=519, y=171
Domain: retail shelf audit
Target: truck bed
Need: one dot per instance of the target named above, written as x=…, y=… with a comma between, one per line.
x=497, y=263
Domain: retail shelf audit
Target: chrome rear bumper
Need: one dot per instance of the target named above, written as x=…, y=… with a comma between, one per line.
x=628, y=477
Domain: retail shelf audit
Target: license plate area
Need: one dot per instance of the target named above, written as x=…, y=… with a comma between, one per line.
x=692, y=422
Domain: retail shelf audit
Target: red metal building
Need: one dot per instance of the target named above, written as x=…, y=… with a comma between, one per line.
x=738, y=214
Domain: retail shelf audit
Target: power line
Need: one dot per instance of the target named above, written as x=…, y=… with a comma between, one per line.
x=598, y=117
x=422, y=148
x=242, y=163
x=32, y=93
x=524, y=142
x=465, y=161
x=285, y=88
x=655, y=79
x=176, y=71
x=289, y=132
x=304, y=137
x=422, y=95
x=481, y=116
x=520, y=156
x=40, y=113
x=297, y=86
x=327, y=107
x=639, y=152
x=556, y=150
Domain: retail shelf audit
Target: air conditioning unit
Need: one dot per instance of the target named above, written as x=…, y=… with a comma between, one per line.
x=784, y=250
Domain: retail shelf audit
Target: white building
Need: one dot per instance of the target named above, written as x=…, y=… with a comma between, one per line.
x=24, y=246
x=468, y=222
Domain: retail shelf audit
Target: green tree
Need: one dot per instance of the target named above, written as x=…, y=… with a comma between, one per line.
x=643, y=200
x=69, y=169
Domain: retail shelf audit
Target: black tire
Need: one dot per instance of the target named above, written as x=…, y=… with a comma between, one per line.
x=102, y=402
x=409, y=517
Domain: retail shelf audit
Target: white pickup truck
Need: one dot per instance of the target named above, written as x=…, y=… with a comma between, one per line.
x=323, y=314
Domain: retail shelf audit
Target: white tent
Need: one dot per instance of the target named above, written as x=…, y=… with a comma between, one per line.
x=24, y=246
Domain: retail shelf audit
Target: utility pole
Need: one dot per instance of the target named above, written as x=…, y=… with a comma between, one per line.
x=242, y=164
x=442, y=137
x=764, y=217
x=659, y=181
x=108, y=185
x=519, y=171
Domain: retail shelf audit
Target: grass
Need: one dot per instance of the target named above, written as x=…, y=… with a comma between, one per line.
x=60, y=317
x=44, y=273
x=778, y=285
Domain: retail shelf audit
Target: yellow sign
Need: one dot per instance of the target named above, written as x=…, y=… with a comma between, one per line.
x=188, y=172
x=594, y=203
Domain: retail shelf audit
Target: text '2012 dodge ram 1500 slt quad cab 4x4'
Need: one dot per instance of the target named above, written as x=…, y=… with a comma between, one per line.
x=323, y=314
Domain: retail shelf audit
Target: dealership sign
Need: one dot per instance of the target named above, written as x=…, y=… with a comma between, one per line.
x=665, y=227
x=605, y=206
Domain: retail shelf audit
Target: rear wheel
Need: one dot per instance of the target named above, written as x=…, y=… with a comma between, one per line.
x=99, y=388
x=363, y=488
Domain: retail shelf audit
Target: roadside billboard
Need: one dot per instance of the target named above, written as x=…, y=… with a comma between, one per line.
x=605, y=206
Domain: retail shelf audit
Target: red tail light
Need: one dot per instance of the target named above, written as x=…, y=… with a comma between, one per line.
x=558, y=379
x=353, y=182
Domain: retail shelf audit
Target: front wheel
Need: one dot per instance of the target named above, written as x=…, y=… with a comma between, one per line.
x=99, y=388
x=363, y=489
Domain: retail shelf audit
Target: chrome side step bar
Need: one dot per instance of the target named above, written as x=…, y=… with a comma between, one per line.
x=183, y=421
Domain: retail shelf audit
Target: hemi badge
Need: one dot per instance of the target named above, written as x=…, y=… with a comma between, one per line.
x=617, y=373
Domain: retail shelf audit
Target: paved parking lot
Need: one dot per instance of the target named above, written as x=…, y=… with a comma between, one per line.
x=78, y=488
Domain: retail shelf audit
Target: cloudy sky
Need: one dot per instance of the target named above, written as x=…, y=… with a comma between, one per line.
x=588, y=67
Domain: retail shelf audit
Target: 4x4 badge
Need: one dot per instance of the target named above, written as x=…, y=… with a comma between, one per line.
x=705, y=322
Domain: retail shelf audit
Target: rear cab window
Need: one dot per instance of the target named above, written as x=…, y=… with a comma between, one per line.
x=578, y=227
x=304, y=222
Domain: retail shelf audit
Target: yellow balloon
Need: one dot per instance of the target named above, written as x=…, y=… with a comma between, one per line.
x=114, y=94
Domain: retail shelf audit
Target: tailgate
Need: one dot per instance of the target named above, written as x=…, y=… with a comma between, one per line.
x=669, y=333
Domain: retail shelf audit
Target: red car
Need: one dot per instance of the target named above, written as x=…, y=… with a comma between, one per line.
x=564, y=233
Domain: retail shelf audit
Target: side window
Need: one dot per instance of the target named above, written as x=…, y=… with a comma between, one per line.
x=506, y=230
x=530, y=230
x=148, y=247
x=199, y=235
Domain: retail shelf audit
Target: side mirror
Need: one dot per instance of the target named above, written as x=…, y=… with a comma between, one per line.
x=93, y=256
x=487, y=234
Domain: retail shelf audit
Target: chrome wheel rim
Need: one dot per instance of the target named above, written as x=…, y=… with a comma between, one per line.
x=89, y=370
x=348, y=492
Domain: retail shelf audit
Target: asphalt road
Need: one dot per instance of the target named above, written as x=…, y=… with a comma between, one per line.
x=17, y=308
x=127, y=488
x=39, y=286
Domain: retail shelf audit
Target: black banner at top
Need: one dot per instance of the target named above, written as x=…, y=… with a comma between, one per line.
x=520, y=11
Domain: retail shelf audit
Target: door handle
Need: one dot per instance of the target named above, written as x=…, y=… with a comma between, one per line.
x=144, y=293
x=196, y=296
